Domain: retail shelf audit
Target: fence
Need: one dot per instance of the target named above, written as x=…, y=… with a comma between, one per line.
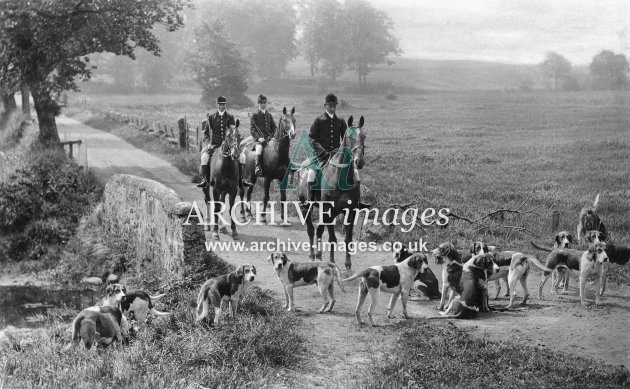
x=185, y=137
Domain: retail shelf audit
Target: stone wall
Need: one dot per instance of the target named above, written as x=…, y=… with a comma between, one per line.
x=151, y=218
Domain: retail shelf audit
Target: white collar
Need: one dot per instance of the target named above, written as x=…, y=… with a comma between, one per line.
x=329, y=115
x=220, y=113
x=261, y=111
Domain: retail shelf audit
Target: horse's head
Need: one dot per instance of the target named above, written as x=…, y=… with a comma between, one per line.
x=230, y=146
x=355, y=140
x=286, y=124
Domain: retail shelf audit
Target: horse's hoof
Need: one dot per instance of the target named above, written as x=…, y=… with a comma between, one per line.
x=311, y=257
x=215, y=235
x=206, y=227
x=235, y=235
x=318, y=256
x=223, y=230
x=250, y=214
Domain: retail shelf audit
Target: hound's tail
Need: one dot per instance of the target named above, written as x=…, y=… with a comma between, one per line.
x=337, y=276
x=362, y=273
x=157, y=297
x=547, y=249
x=200, y=297
x=596, y=201
x=445, y=316
x=539, y=265
x=158, y=313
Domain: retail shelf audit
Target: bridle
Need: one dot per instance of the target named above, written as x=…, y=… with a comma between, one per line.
x=285, y=133
x=230, y=150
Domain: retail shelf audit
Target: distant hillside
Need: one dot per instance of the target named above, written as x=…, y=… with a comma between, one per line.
x=448, y=74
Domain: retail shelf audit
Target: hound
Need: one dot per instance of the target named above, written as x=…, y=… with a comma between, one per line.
x=451, y=272
x=137, y=303
x=472, y=285
x=588, y=220
x=562, y=240
x=471, y=264
x=227, y=287
x=425, y=282
x=395, y=279
x=294, y=274
x=617, y=256
x=593, y=261
x=563, y=260
x=519, y=270
x=502, y=259
x=100, y=326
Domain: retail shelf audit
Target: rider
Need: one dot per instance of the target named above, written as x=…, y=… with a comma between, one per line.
x=262, y=128
x=214, y=128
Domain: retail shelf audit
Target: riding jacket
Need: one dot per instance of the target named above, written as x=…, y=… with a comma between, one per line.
x=326, y=134
x=262, y=125
x=215, y=126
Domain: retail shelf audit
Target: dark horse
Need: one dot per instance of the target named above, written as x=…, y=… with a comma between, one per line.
x=223, y=178
x=344, y=195
x=274, y=162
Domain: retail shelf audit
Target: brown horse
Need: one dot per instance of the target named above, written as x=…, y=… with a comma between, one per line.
x=274, y=162
x=223, y=179
x=344, y=193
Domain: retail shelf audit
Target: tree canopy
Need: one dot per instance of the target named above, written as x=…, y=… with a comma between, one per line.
x=609, y=71
x=556, y=67
x=45, y=43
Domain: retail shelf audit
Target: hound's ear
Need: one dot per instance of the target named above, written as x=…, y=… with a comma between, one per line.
x=270, y=258
x=361, y=121
x=253, y=269
x=239, y=271
x=284, y=259
x=238, y=123
x=558, y=238
x=570, y=237
x=292, y=110
x=109, y=289
x=350, y=120
x=284, y=110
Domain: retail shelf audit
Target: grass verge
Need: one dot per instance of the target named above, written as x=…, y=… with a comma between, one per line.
x=429, y=355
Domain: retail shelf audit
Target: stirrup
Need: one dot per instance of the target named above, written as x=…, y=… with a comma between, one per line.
x=258, y=172
x=244, y=182
x=203, y=184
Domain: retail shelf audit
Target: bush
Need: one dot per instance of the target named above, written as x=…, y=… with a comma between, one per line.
x=41, y=204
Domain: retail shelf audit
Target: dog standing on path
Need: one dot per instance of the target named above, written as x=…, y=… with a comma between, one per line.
x=395, y=279
x=294, y=274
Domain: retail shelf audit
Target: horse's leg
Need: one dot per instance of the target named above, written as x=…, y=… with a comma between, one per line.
x=249, y=197
x=310, y=229
x=348, y=239
x=267, y=185
x=232, y=222
x=332, y=239
x=283, y=203
x=241, y=195
x=215, y=216
x=223, y=229
x=320, y=233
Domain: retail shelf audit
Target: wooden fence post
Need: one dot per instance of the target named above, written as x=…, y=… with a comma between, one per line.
x=181, y=123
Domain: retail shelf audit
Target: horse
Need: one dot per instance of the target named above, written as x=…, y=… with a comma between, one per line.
x=344, y=193
x=274, y=162
x=223, y=178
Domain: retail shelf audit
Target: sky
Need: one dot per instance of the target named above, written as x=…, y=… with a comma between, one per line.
x=509, y=31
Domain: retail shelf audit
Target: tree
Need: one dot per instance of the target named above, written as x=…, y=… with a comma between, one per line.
x=555, y=67
x=217, y=65
x=609, y=71
x=263, y=29
x=369, y=37
x=45, y=43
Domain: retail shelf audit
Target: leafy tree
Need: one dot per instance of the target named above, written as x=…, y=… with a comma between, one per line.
x=369, y=36
x=263, y=29
x=609, y=71
x=45, y=43
x=555, y=67
x=217, y=65
x=324, y=36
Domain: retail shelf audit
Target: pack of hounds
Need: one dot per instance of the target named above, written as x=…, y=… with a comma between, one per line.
x=464, y=293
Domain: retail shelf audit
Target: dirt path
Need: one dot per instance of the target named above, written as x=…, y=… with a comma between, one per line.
x=338, y=349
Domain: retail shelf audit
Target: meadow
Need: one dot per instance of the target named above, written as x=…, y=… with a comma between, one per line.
x=474, y=152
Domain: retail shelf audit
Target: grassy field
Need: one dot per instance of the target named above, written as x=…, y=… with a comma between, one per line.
x=472, y=152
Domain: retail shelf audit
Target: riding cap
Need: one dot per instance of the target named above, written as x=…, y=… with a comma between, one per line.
x=262, y=99
x=221, y=100
x=330, y=99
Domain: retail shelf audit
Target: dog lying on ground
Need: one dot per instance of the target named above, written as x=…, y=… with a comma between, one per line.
x=294, y=274
x=425, y=282
x=473, y=286
x=100, y=325
x=395, y=279
x=136, y=304
x=567, y=259
x=588, y=220
x=227, y=287
x=451, y=272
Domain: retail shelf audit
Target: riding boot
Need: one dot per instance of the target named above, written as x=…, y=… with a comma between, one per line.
x=258, y=171
x=204, y=173
x=243, y=181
